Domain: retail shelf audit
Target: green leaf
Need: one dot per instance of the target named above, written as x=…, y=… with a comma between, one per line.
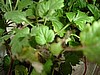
x=73, y=43
x=57, y=4
x=20, y=34
x=56, y=48
x=34, y=72
x=23, y=32
x=58, y=13
x=27, y=54
x=34, y=31
x=47, y=66
x=44, y=35
x=17, y=44
x=24, y=4
x=91, y=43
x=2, y=26
x=19, y=40
x=49, y=7
x=15, y=16
x=80, y=19
x=16, y=47
x=6, y=63
x=57, y=25
x=20, y=46
x=65, y=68
x=95, y=11
x=21, y=70
x=1, y=31
x=29, y=12
x=70, y=16
x=2, y=6
x=73, y=57
x=82, y=3
x=3, y=38
x=5, y=5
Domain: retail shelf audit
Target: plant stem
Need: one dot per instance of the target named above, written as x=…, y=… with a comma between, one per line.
x=16, y=4
x=94, y=1
x=2, y=1
x=94, y=69
x=10, y=5
x=75, y=35
x=62, y=29
x=41, y=20
x=10, y=68
x=85, y=66
x=71, y=49
x=29, y=23
x=53, y=72
x=36, y=20
x=8, y=48
x=45, y=21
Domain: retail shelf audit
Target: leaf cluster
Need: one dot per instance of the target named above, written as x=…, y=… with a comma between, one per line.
x=48, y=37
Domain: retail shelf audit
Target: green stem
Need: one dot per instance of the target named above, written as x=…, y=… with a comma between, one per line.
x=16, y=4
x=45, y=21
x=63, y=29
x=41, y=20
x=10, y=5
x=53, y=72
x=36, y=20
x=47, y=45
x=94, y=2
x=2, y=1
x=29, y=23
x=75, y=35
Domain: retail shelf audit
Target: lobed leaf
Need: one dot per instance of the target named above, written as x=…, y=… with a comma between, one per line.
x=15, y=16
x=80, y=19
x=57, y=25
x=56, y=48
x=18, y=40
x=95, y=11
x=44, y=35
x=24, y=4
x=47, y=66
x=49, y=7
x=90, y=38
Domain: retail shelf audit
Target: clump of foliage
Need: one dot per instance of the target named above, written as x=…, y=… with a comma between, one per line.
x=48, y=37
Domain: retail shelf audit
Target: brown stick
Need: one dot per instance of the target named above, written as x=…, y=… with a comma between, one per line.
x=10, y=68
x=85, y=65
